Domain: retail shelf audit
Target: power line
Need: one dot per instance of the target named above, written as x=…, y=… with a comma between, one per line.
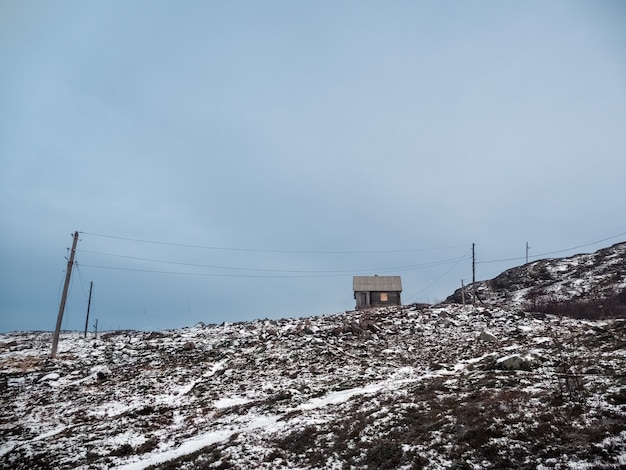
x=540, y=255
x=440, y=277
x=210, y=274
x=299, y=271
x=249, y=272
x=80, y=278
x=285, y=273
x=254, y=250
x=500, y=260
x=581, y=246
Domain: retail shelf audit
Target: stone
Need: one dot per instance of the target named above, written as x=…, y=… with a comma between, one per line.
x=514, y=362
x=488, y=337
x=101, y=372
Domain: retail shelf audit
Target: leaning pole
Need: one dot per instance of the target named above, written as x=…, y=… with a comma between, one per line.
x=68, y=273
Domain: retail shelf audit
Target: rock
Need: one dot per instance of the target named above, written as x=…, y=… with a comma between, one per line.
x=102, y=372
x=156, y=335
x=488, y=337
x=309, y=329
x=49, y=377
x=337, y=331
x=189, y=345
x=514, y=362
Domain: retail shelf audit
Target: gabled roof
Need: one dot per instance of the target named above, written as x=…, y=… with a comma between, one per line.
x=376, y=284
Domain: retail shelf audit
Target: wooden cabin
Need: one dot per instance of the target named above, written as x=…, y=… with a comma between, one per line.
x=376, y=291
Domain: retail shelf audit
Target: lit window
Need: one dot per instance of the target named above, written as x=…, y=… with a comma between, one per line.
x=383, y=297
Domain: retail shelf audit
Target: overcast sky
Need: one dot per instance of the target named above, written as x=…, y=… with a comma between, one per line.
x=229, y=161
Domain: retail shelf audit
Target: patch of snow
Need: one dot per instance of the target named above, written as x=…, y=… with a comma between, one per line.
x=227, y=402
x=51, y=376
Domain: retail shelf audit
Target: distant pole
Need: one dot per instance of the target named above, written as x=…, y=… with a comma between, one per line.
x=527, y=248
x=95, y=328
x=88, y=307
x=473, y=263
x=474, y=270
x=68, y=273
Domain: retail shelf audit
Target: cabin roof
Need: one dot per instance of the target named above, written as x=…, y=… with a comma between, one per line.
x=376, y=284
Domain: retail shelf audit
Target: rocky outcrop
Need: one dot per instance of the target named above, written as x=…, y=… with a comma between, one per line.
x=596, y=278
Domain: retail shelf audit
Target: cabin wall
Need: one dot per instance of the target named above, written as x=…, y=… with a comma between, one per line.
x=362, y=299
x=376, y=299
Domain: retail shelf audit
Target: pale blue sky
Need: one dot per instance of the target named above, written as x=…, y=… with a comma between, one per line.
x=316, y=140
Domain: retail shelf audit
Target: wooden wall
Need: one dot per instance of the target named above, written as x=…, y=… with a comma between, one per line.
x=376, y=299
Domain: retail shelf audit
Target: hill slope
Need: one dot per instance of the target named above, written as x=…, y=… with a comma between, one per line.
x=590, y=285
x=439, y=387
x=493, y=385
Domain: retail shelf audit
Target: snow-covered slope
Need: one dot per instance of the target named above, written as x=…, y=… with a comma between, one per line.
x=594, y=277
x=410, y=387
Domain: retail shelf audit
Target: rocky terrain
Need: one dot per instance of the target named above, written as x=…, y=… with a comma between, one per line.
x=586, y=285
x=492, y=385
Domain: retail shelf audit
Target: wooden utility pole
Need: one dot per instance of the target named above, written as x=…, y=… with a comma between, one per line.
x=68, y=273
x=527, y=248
x=473, y=263
x=88, y=307
x=474, y=271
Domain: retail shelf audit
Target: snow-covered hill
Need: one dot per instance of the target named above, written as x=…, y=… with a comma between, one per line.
x=498, y=385
x=410, y=387
x=597, y=280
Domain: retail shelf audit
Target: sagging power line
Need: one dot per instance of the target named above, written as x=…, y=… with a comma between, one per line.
x=319, y=273
x=541, y=255
x=256, y=250
x=254, y=272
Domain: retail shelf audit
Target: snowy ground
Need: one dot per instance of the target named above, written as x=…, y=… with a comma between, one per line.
x=598, y=278
x=438, y=387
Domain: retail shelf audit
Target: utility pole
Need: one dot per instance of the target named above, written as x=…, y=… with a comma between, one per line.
x=527, y=248
x=473, y=263
x=88, y=307
x=474, y=271
x=68, y=273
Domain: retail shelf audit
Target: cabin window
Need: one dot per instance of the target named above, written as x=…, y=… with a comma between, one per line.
x=383, y=297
